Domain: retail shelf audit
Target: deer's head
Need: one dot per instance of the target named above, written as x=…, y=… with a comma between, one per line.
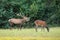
x=24, y=17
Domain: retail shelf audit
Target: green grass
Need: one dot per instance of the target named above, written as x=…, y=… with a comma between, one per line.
x=54, y=32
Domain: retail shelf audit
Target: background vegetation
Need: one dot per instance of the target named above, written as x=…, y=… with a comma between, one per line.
x=47, y=10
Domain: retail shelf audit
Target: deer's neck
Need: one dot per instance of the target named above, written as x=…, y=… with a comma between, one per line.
x=23, y=20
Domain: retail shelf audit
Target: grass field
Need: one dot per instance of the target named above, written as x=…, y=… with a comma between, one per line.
x=54, y=33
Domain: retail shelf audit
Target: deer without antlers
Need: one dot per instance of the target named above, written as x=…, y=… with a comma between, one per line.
x=41, y=23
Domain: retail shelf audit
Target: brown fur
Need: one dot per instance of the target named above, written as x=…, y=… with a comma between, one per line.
x=41, y=23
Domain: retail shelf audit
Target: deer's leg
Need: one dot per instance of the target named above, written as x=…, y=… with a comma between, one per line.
x=36, y=27
x=42, y=28
x=47, y=28
x=11, y=25
x=20, y=27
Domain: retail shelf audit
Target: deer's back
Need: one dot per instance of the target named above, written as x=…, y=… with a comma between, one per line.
x=40, y=23
x=16, y=21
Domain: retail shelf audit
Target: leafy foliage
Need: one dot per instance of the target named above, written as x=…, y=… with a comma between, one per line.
x=48, y=10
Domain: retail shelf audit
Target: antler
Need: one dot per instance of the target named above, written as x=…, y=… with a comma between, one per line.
x=20, y=14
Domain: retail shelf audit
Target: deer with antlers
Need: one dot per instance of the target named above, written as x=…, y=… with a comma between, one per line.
x=18, y=21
